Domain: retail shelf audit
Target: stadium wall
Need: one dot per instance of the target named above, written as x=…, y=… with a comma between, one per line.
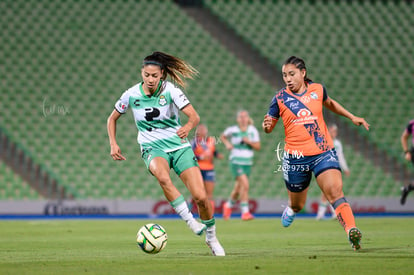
x=153, y=208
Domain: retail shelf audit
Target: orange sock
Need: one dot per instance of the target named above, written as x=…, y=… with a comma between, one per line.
x=213, y=206
x=345, y=216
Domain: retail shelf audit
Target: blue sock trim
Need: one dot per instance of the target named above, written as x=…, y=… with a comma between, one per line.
x=338, y=202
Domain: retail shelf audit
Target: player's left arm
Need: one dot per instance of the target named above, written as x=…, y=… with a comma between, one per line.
x=193, y=120
x=337, y=108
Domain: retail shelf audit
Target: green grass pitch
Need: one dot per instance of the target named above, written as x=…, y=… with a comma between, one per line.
x=261, y=246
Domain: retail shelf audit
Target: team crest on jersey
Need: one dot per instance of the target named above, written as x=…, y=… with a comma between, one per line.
x=313, y=95
x=162, y=101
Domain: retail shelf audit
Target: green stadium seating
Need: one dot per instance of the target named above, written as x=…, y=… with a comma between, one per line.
x=65, y=65
x=12, y=186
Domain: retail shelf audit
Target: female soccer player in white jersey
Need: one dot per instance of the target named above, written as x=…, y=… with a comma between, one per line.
x=242, y=139
x=155, y=104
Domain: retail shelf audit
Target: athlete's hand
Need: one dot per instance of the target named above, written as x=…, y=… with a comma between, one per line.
x=116, y=152
x=267, y=123
x=229, y=146
x=407, y=156
x=183, y=131
x=246, y=140
x=358, y=121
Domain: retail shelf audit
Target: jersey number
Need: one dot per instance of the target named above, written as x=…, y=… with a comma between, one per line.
x=151, y=113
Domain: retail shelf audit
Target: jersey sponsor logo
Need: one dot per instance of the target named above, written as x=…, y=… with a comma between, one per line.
x=313, y=95
x=303, y=113
x=151, y=113
x=304, y=117
x=162, y=101
x=289, y=99
x=122, y=106
x=294, y=105
x=184, y=98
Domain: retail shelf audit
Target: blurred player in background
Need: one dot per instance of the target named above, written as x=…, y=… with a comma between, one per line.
x=408, y=155
x=155, y=104
x=323, y=204
x=204, y=148
x=308, y=146
x=241, y=139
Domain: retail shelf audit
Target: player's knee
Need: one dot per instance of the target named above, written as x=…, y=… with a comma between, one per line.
x=164, y=181
x=297, y=207
x=202, y=201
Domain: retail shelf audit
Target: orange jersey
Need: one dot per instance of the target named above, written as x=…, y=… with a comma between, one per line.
x=204, y=150
x=305, y=129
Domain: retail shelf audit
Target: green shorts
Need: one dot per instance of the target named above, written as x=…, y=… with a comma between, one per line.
x=179, y=160
x=239, y=169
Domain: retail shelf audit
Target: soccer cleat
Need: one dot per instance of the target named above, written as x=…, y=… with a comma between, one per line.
x=354, y=237
x=197, y=227
x=318, y=217
x=226, y=211
x=247, y=216
x=404, y=193
x=215, y=247
x=287, y=219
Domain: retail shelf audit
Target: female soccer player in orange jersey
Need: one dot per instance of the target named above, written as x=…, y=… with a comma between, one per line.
x=308, y=145
x=204, y=148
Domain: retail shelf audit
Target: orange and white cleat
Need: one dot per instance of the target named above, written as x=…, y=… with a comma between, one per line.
x=226, y=211
x=247, y=216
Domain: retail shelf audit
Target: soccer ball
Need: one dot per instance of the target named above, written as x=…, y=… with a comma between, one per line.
x=152, y=238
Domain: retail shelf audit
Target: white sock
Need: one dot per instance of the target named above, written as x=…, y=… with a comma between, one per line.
x=321, y=210
x=290, y=211
x=211, y=232
x=332, y=210
x=180, y=206
x=230, y=203
x=244, y=206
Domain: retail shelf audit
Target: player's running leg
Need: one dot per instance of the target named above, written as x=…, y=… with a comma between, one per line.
x=228, y=206
x=244, y=197
x=322, y=206
x=160, y=169
x=330, y=181
x=404, y=192
x=209, y=186
x=297, y=201
x=194, y=182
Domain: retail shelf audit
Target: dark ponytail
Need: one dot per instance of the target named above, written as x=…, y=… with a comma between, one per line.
x=300, y=64
x=173, y=66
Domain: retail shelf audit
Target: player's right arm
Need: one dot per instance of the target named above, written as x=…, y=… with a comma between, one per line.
x=272, y=116
x=111, y=127
x=224, y=139
x=268, y=124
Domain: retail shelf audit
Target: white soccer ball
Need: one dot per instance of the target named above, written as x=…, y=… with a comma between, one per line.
x=152, y=238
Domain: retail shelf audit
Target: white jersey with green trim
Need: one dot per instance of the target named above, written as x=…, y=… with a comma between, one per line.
x=241, y=153
x=157, y=116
